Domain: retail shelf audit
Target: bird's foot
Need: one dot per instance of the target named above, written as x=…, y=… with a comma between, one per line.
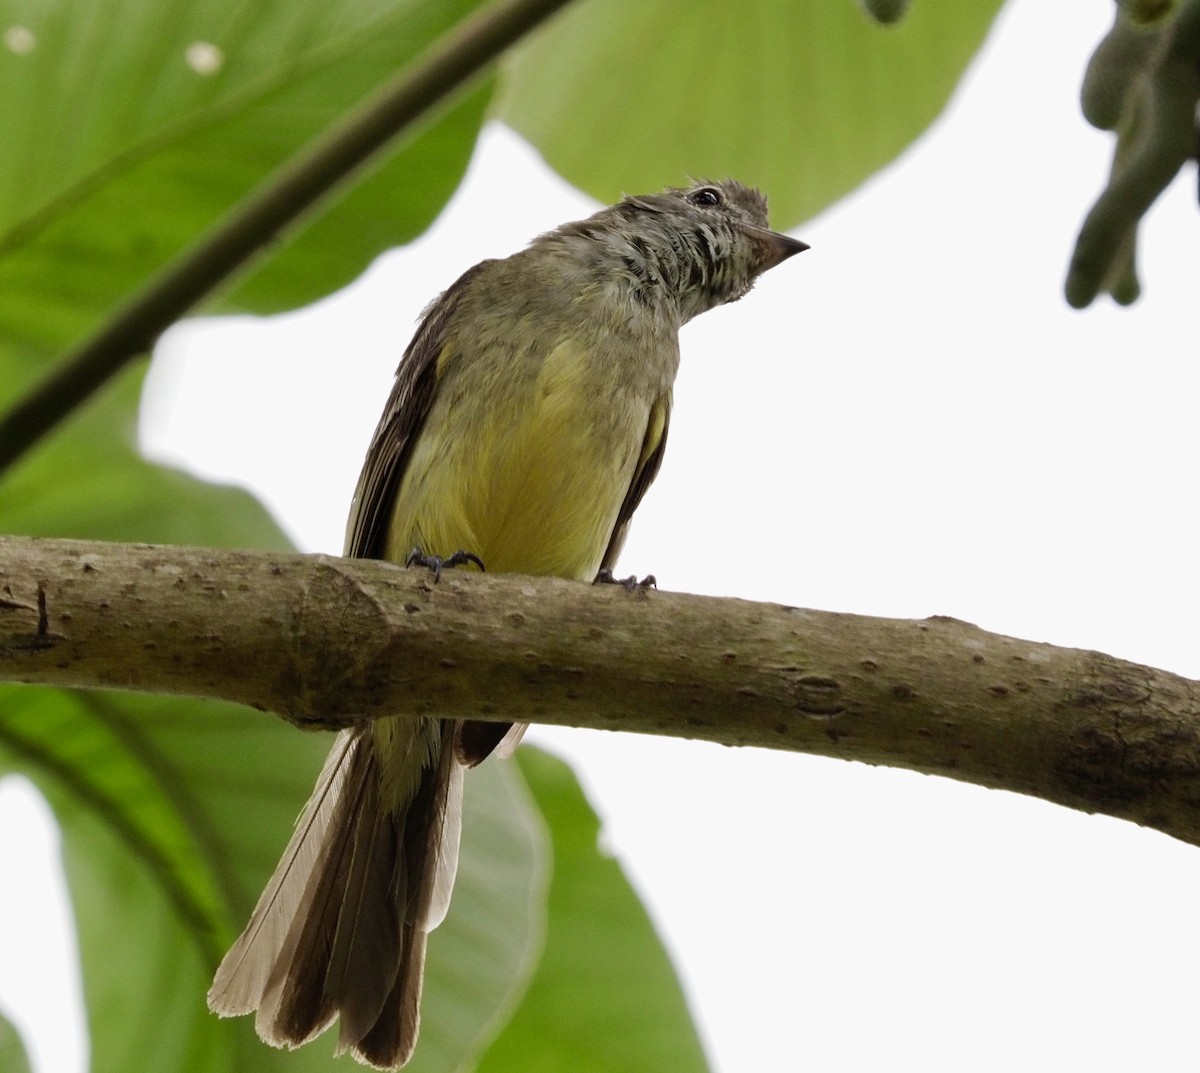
x=630, y=584
x=437, y=564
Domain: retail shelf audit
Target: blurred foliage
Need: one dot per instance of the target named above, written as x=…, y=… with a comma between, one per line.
x=178, y=108
x=1142, y=83
x=13, y=1058
x=805, y=100
x=886, y=12
x=1146, y=12
x=561, y=1025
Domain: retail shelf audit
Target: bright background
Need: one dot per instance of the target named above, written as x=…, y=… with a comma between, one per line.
x=906, y=420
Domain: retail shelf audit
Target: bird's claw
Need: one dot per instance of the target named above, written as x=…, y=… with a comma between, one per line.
x=437, y=564
x=629, y=584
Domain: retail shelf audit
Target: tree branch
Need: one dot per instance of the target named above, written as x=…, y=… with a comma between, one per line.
x=461, y=54
x=325, y=641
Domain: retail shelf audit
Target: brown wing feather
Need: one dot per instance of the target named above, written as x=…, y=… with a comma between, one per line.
x=643, y=477
x=398, y=428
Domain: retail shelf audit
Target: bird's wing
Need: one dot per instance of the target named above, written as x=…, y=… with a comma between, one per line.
x=398, y=428
x=649, y=461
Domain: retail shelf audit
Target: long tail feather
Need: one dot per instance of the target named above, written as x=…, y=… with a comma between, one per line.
x=243, y=972
x=340, y=929
x=390, y=1043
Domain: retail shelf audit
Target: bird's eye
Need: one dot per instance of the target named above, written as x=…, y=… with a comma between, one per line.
x=707, y=197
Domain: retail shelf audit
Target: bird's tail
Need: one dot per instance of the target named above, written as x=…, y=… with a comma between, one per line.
x=340, y=929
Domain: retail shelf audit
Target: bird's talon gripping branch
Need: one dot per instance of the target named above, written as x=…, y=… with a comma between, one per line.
x=437, y=564
x=630, y=584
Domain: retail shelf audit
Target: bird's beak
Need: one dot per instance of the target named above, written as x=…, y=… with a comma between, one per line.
x=776, y=247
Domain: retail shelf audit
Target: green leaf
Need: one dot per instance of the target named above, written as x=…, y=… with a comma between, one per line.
x=605, y=998
x=174, y=813
x=89, y=482
x=805, y=99
x=13, y=1058
x=128, y=127
x=161, y=145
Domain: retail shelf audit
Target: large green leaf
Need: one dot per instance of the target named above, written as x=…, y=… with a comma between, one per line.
x=158, y=145
x=805, y=98
x=13, y=1058
x=127, y=127
x=89, y=482
x=605, y=998
x=173, y=815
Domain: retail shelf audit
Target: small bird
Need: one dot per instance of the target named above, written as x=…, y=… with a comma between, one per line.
x=528, y=417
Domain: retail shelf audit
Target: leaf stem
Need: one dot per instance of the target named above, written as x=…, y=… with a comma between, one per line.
x=460, y=55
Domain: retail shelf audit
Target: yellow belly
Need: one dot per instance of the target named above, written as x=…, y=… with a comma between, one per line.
x=529, y=477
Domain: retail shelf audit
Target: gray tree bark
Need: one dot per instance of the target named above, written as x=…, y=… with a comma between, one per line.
x=325, y=641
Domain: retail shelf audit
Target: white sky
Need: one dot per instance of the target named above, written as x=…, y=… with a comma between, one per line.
x=906, y=420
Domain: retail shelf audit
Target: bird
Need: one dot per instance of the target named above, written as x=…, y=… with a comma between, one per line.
x=527, y=419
